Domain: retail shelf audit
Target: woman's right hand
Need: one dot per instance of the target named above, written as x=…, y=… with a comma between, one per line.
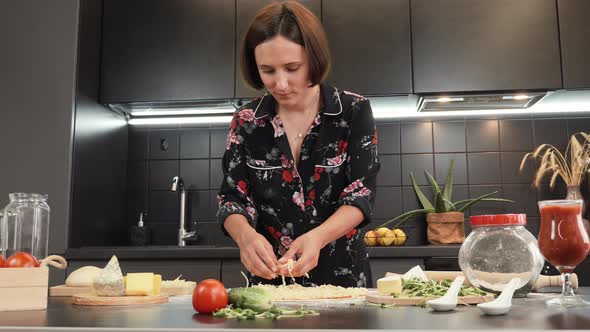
x=256, y=254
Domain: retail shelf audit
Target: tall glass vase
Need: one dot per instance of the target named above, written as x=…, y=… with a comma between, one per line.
x=574, y=193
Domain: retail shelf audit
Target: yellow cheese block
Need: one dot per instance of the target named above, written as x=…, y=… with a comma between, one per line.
x=389, y=285
x=142, y=284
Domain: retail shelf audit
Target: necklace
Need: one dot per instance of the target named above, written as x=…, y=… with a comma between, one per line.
x=305, y=125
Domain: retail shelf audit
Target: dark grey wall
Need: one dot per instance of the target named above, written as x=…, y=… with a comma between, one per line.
x=487, y=154
x=99, y=177
x=37, y=70
x=38, y=67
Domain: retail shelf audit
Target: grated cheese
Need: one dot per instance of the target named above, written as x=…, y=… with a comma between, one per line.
x=298, y=292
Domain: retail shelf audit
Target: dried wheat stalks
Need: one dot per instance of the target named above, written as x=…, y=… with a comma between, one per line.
x=553, y=162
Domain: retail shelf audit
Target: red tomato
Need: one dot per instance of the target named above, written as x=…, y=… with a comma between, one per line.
x=2, y=261
x=21, y=259
x=209, y=296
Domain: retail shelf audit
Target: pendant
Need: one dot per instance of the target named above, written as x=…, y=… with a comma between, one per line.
x=299, y=135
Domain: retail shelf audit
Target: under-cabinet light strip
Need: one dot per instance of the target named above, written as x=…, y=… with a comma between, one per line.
x=377, y=114
x=180, y=120
x=167, y=112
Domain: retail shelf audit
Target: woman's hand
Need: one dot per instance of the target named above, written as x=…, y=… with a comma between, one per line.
x=257, y=255
x=307, y=247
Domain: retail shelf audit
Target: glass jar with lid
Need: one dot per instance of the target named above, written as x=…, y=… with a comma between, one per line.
x=498, y=249
x=25, y=225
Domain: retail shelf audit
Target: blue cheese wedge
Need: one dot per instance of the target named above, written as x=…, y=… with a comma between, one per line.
x=110, y=281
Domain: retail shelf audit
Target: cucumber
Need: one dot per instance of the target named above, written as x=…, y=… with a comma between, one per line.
x=254, y=298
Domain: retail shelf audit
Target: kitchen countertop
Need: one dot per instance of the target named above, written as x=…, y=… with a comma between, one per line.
x=214, y=252
x=526, y=314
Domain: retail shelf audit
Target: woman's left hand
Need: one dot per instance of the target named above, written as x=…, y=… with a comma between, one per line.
x=307, y=247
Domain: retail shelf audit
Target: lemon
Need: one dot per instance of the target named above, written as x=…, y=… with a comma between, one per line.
x=371, y=238
x=387, y=237
x=399, y=237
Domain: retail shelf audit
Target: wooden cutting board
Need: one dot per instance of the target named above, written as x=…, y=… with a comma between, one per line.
x=93, y=299
x=63, y=290
x=374, y=296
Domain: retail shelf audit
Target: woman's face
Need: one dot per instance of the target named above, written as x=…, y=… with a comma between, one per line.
x=284, y=69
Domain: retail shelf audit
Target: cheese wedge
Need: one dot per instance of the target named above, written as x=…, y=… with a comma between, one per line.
x=137, y=284
x=110, y=282
x=389, y=285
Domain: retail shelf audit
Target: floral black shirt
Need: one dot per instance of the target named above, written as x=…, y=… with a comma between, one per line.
x=338, y=166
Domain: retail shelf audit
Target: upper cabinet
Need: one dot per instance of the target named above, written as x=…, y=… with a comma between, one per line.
x=574, y=30
x=246, y=10
x=169, y=50
x=477, y=45
x=370, y=44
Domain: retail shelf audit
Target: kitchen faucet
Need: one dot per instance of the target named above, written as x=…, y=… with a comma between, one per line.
x=178, y=184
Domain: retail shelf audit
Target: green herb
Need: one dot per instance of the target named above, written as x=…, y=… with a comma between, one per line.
x=415, y=287
x=274, y=313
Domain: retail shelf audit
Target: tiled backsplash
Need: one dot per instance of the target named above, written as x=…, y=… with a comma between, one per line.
x=487, y=155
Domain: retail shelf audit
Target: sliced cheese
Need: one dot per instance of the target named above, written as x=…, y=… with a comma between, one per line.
x=83, y=277
x=110, y=280
x=137, y=284
x=389, y=285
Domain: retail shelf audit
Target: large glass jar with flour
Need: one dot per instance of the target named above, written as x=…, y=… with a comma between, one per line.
x=498, y=249
x=25, y=225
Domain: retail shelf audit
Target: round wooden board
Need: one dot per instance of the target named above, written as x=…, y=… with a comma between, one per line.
x=376, y=297
x=93, y=299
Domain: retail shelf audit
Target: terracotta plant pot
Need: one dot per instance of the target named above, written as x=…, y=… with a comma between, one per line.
x=445, y=228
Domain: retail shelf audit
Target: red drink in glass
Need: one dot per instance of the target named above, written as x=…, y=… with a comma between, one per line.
x=564, y=242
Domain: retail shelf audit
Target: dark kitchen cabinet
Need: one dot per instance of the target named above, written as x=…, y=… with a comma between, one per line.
x=370, y=44
x=170, y=50
x=478, y=45
x=246, y=10
x=574, y=29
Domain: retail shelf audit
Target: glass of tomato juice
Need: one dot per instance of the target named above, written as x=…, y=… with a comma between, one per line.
x=564, y=242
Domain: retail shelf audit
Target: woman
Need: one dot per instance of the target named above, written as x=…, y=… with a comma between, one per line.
x=301, y=161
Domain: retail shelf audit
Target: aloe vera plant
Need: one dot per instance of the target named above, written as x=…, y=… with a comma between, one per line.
x=442, y=198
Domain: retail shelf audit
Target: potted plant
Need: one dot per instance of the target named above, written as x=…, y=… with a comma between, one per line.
x=445, y=218
x=570, y=167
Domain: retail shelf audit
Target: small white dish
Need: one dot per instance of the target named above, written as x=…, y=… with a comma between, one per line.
x=502, y=304
x=448, y=301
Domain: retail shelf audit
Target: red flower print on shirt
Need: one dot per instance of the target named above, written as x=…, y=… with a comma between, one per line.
x=299, y=200
x=374, y=141
x=246, y=115
x=362, y=192
x=278, y=125
x=342, y=145
x=285, y=162
x=251, y=211
x=354, y=94
x=353, y=186
x=243, y=187
x=231, y=138
x=312, y=194
x=260, y=122
x=286, y=241
x=287, y=176
x=351, y=233
x=336, y=161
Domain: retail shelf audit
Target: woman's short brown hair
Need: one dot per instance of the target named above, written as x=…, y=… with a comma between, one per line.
x=295, y=22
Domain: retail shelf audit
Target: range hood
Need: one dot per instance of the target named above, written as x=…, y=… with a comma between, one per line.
x=560, y=102
x=479, y=102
